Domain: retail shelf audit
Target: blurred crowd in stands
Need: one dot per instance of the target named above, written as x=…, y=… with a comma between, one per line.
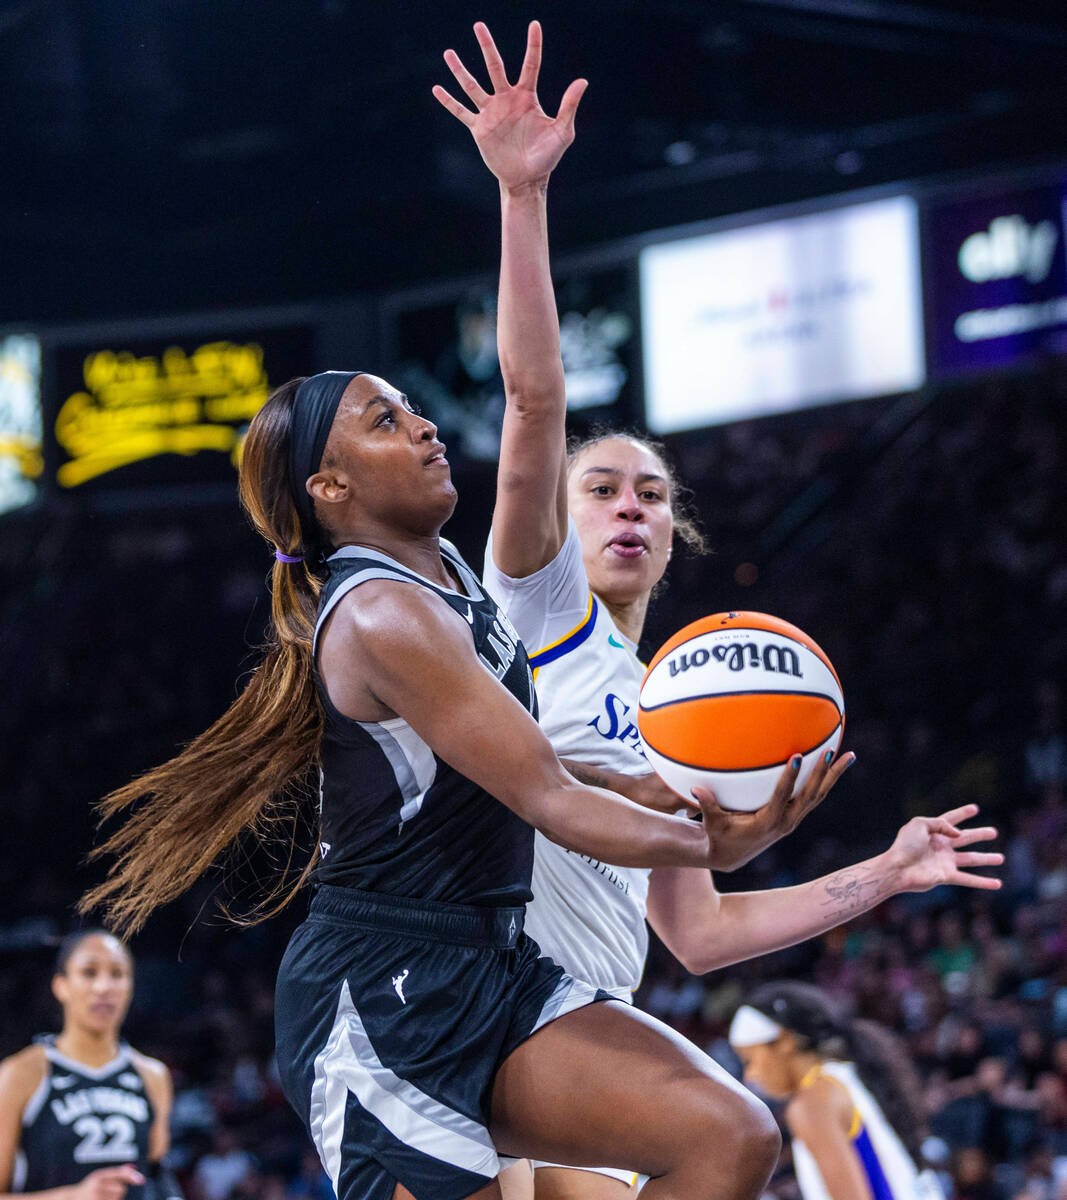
x=921, y=540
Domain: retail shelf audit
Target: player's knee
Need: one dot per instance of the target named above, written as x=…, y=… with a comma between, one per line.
x=752, y=1132
x=763, y=1138
x=745, y=1135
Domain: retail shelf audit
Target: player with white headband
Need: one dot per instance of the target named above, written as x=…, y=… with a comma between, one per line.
x=854, y=1103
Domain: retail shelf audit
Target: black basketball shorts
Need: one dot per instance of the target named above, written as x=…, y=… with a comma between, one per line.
x=393, y=1017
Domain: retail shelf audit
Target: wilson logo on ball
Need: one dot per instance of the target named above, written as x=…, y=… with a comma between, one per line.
x=738, y=656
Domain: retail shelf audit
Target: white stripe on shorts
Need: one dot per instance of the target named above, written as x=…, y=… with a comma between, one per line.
x=623, y=1176
x=349, y=1064
x=569, y=994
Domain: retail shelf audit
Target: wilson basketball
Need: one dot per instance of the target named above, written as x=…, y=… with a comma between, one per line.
x=729, y=700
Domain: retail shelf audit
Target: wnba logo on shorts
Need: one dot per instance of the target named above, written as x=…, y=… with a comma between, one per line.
x=398, y=984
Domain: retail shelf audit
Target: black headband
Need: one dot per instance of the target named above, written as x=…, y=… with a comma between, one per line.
x=314, y=408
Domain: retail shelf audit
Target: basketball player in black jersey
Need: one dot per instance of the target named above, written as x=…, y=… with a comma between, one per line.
x=409, y=1001
x=83, y=1116
x=420, y=1033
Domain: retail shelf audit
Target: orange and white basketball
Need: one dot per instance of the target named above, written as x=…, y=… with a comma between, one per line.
x=729, y=700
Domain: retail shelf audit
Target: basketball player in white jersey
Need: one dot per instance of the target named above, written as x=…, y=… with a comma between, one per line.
x=576, y=548
x=854, y=1102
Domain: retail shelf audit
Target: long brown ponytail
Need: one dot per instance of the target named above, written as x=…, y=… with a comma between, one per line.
x=253, y=768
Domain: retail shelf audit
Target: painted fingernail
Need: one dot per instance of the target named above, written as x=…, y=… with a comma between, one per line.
x=795, y=762
x=851, y=760
x=829, y=757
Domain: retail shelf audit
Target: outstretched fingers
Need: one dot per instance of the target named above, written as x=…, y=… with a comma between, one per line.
x=568, y=106
x=967, y=837
x=965, y=879
x=972, y=858
x=493, y=62
x=963, y=813
x=478, y=95
x=531, y=64
x=453, y=105
x=979, y=858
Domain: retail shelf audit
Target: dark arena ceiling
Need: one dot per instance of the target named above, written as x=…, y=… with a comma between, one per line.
x=176, y=154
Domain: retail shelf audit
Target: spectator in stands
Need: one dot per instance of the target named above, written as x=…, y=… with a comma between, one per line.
x=227, y=1165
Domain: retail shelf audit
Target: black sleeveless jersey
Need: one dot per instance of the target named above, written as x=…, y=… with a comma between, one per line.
x=396, y=819
x=81, y=1119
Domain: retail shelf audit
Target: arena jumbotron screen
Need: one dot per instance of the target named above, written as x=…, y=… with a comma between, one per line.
x=784, y=314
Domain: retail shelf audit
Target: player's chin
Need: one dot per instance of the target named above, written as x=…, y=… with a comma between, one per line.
x=102, y=1022
x=640, y=574
x=449, y=495
x=436, y=490
x=438, y=478
x=765, y=1090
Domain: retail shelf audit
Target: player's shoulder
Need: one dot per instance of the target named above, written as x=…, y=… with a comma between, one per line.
x=355, y=580
x=21, y=1073
x=549, y=603
x=154, y=1068
x=382, y=605
x=562, y=559
x=395, y=623
x=154, y=1072
x=824, y=1098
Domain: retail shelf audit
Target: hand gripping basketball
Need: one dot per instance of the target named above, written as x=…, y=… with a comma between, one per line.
x=735, y=838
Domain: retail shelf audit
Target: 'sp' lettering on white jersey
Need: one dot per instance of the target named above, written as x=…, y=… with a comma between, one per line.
x=587, y=915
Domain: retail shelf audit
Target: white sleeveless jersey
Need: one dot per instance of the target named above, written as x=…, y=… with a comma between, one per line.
x=890, y=1171
x=587, y=915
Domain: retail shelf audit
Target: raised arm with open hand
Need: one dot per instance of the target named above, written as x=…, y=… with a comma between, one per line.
x=518, y=140
x=521, y=145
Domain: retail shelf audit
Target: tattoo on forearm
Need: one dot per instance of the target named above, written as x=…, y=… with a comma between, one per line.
x=588, y=775
x=851, y=891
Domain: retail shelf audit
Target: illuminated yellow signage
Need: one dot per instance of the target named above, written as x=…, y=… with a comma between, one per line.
x=138, y=407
